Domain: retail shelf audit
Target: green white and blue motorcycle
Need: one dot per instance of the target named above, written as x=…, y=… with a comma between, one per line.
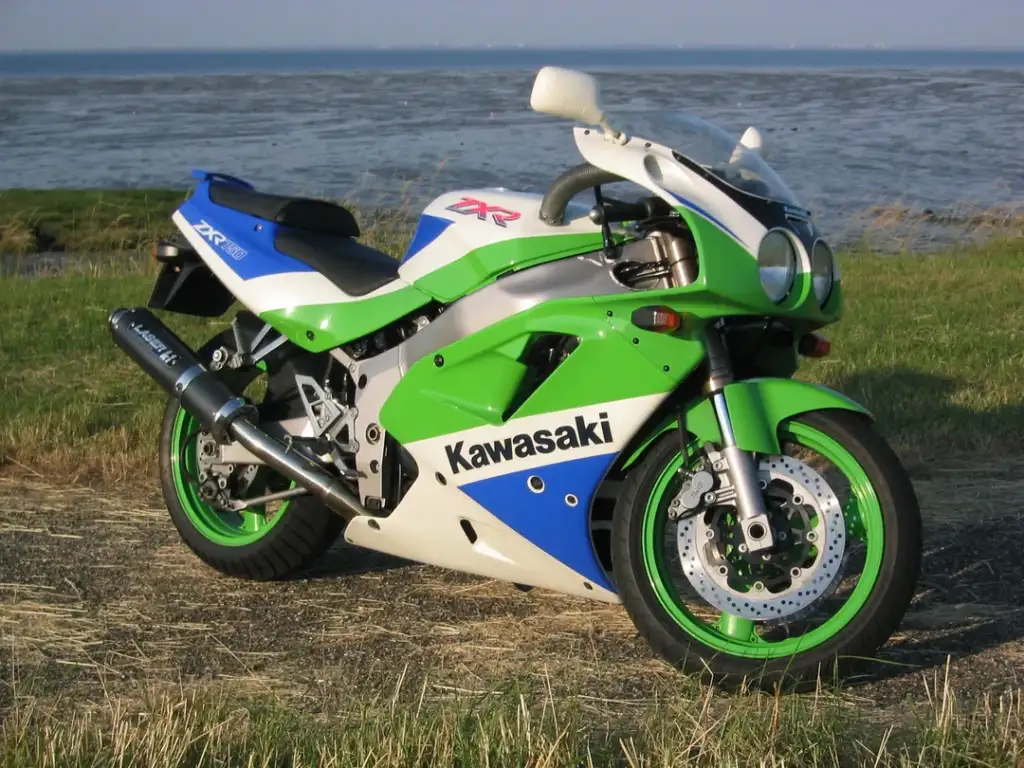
x=592, y=398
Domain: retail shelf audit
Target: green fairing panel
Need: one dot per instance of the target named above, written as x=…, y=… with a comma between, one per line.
x=756, y=407
x=320, y=327
x=483, y=265
x=729, y=276
x=480, y=377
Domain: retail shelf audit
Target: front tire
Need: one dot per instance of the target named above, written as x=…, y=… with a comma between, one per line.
x=883, y=512
x=261, y=544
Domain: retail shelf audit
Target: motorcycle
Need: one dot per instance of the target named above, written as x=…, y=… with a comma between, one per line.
x=592, y=399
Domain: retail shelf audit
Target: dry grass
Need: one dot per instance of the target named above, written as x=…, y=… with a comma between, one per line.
x=512, y=726
x=898, y=227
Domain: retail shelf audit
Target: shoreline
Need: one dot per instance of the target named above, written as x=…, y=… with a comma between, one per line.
x=97, y=223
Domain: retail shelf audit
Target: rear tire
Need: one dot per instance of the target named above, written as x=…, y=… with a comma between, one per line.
x=713, y=655
x=296, y=537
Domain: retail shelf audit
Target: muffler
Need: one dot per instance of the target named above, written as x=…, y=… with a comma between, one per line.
x=174, y=366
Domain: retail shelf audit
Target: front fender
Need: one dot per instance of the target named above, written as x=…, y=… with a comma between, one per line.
x=756, y=407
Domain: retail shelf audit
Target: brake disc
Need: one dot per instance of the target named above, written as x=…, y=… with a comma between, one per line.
x=810, y=534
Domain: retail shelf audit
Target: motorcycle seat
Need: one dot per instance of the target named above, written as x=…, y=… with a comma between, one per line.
x=317, y=233
x=355, y=268
x=297, y=212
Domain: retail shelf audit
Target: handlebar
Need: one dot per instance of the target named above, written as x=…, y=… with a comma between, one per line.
x=568, y=185
x=615, y=211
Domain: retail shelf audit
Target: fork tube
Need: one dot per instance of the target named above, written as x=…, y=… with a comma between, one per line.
x=750, y=509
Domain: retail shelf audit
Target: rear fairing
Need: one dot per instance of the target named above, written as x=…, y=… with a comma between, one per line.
x=239, y=249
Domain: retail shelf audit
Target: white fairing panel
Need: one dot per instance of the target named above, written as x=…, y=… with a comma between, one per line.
x=652, y=166
x=537, y=476
x=459, y=222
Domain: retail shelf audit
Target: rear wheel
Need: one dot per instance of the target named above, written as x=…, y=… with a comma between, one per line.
x=834, y=588
x=273, y=540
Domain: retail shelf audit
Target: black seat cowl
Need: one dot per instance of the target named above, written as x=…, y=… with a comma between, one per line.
x=296, y=212
x=355, y=268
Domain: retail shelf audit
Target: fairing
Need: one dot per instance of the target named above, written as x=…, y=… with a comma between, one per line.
x=286, y=293
x=466, y=239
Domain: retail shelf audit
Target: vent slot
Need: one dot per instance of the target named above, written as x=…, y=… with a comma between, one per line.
x=467, y=528
x=543, y=354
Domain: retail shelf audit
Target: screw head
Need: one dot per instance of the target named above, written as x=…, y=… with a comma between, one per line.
x=438, y=360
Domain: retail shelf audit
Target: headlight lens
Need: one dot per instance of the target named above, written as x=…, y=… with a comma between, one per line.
x=823, y=270
x=776, y=260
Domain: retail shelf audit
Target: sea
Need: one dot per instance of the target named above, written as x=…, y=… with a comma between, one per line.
x=851, y=131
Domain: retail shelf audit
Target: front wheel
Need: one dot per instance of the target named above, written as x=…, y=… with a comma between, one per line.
x=831, y=591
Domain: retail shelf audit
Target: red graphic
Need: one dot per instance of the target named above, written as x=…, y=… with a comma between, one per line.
x=500, y=216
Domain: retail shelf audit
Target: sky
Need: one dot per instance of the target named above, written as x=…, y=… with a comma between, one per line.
x=227, y=24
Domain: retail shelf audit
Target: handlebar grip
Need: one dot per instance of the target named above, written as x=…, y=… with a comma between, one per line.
x=614, y=211
x=568, y=185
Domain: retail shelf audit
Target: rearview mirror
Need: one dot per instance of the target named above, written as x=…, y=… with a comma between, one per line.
x=569, y=94
x=753, y=140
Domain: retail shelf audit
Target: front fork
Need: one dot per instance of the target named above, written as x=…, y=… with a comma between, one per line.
x=753, y=518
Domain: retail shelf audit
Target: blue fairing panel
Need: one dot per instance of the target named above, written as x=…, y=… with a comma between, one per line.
x=546, y=518
x=246, y=243
x=428, y=230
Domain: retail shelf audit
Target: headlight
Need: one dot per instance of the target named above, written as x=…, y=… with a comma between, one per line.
x=776, y=261
x=823, y=270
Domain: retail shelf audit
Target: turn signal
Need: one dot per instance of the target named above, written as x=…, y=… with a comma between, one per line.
x=165, y=251
x=657, y=319
x=814, y=345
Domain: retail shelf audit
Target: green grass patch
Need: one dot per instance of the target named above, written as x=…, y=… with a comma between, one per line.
x=126, y=220
x=33, y=220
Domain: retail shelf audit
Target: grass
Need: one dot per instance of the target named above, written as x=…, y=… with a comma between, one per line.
x=512, y=728
x=932, y=344
x=33, y=221
x=125, y=221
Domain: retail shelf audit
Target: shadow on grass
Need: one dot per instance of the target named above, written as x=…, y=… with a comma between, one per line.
x=923, y=416
x=970, y=596
x=343, y=559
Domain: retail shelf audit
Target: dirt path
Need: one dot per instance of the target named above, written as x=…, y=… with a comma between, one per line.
x=98, y=597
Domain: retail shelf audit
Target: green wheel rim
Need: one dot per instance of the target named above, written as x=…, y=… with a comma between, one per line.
x=229, y=529
x=737, y=636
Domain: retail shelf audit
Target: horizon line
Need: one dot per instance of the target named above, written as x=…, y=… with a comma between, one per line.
x=481, y=48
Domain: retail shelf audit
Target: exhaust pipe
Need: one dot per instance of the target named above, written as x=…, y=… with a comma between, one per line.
x=174, y=366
